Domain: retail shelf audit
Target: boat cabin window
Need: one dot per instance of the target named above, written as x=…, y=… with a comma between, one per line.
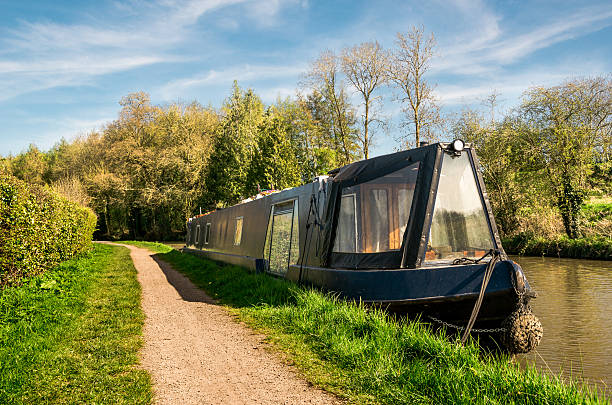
x=282, y=238
x=238, y=231
x=459, y=227
x=197, y=235
x=206, y=233
x=373, y=215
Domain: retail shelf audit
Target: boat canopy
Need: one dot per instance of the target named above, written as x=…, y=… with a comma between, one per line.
x=419, y=207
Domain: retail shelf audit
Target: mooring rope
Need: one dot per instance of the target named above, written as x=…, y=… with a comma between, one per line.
x=495, y=255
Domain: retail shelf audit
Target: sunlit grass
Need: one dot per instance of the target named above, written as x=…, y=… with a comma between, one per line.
x=72, y=335
x=605, y=199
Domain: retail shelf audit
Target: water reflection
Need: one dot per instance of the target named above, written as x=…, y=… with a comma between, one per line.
x=574, y=302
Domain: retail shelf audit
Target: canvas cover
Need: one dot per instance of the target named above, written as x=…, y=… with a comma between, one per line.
x=367, y=170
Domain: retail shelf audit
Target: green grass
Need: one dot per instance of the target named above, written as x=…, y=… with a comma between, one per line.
x=363, y=354
x=72, y=335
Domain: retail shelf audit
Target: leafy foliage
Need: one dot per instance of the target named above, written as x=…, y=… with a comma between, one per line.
x=38, y=229
x=154, y=166
x=274, y=163
x=581, y=248
x=235, y=145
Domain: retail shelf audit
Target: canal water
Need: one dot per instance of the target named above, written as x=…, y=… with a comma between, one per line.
x=574, y=304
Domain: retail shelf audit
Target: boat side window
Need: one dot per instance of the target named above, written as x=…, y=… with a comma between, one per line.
x=197, y=235
x=459, y=227
x=373, y=215
x=282, y=238
x=346, y=232
x=206, y=233
x=238, y=231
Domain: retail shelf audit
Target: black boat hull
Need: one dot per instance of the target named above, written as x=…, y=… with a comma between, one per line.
x=446, y=293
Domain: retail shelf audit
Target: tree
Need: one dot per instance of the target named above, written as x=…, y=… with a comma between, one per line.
x=30, y=166
x=274, y=164
x=5, y=166
x=315, y=151
x=365, y=66
x=330, y=108
x=234, y=147
x=410, y=62
x=563, y=127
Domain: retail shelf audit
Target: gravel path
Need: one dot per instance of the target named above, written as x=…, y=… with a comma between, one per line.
x=197, y=354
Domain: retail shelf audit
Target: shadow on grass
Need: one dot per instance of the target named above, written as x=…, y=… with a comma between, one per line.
x=229, y=284
x=186, y=289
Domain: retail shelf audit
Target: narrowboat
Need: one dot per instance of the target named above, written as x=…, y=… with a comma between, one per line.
x=412, y=231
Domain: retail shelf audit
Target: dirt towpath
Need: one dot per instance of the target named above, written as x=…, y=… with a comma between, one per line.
x=197, y=354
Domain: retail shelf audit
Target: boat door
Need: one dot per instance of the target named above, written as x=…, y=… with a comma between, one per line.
x=282, y=238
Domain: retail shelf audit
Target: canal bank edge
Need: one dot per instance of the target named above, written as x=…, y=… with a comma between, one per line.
x=596, y=248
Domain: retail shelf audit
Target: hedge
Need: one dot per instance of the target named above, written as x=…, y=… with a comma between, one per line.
x=38, y=229
x=582, y=248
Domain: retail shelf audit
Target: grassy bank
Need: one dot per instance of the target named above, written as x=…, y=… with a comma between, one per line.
x=598, y=248
x=72, y=334
x=363, y=355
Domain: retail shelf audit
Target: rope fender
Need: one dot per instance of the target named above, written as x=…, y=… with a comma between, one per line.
x=523, y=330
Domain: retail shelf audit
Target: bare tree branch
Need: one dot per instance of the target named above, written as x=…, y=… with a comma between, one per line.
x=410, y=61
x=365, y=67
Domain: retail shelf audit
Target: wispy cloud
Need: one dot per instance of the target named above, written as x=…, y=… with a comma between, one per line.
x=55, y=129
x=484, y=27
x=580, y=23
x=42, y=55
x=510, y=85
x=243, y=73
x=496, y=46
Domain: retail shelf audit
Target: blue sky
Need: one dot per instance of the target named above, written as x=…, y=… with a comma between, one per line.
x=64, y=65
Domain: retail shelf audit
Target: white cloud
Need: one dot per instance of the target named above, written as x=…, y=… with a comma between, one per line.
x=25, y=77
x=579, y=24
x=484, y=27
x=266, y=13
x=55, y=129
x=271, y=94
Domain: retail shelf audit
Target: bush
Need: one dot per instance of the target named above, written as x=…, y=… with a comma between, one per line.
x=38, y=229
